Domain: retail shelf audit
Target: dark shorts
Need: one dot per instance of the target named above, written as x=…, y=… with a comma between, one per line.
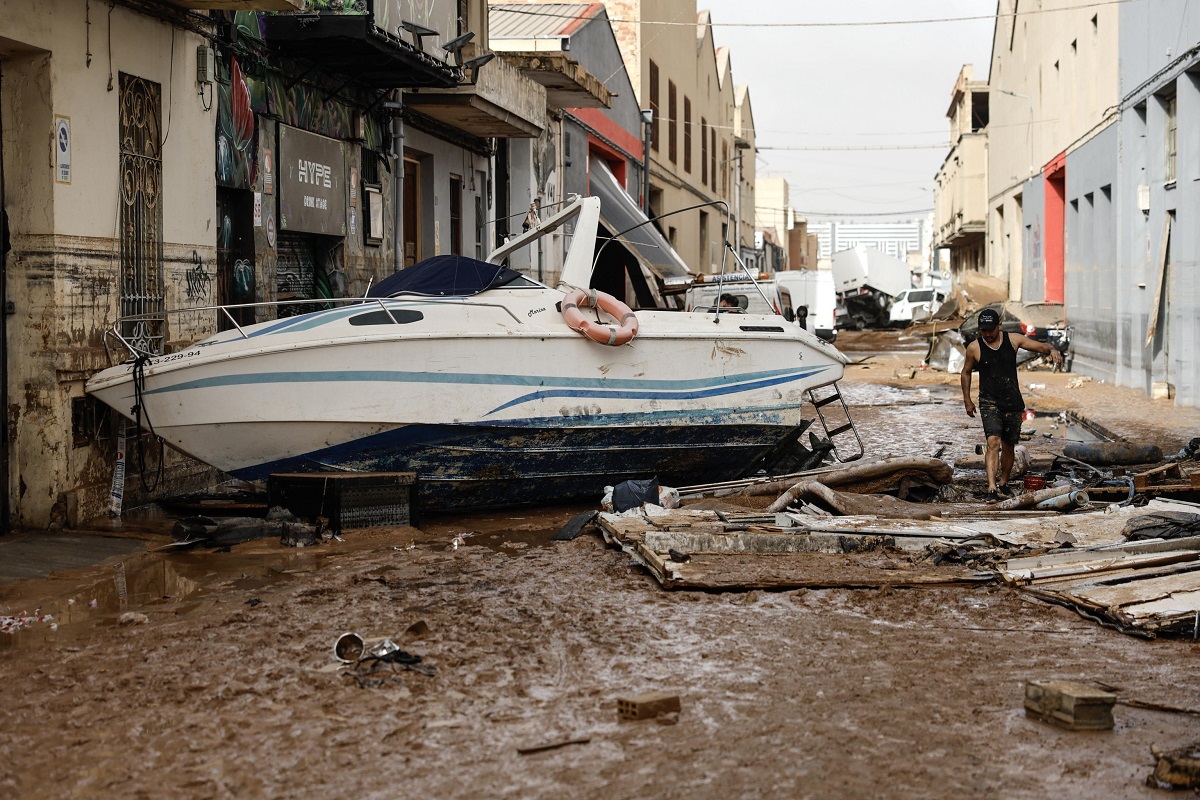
x=1005, y=424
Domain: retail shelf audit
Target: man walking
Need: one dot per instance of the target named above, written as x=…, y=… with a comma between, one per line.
x=1000, y=403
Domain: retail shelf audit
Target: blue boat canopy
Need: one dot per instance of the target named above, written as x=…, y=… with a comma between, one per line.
x=445, y=276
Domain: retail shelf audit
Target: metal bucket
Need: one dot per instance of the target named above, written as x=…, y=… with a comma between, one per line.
x=349, y=648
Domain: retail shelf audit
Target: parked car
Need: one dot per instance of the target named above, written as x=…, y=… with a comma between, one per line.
x=1042, y=322
x=915, y=305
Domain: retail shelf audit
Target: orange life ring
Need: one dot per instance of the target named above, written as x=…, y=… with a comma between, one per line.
x=601, y=334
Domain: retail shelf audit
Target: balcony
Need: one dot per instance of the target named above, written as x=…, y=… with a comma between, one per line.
x=961, y=200
x=378, y=45
x=502, y=103
x=568, y=85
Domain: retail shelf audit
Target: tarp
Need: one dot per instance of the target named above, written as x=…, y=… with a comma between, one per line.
x=445, y=276
x=621, y=215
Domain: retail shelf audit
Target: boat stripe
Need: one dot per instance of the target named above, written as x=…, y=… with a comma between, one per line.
x=391, y=376
x=677, y=394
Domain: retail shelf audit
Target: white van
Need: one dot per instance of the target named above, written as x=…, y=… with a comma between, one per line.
x=813, y=288
x=704, y=296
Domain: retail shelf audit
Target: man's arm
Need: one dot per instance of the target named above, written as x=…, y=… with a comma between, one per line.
x=964, y=377
x=1020, y=340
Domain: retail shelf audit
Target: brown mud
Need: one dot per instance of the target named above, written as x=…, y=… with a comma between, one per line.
x=229, y=687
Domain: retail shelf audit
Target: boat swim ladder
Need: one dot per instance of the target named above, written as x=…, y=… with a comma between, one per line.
x=834, y=395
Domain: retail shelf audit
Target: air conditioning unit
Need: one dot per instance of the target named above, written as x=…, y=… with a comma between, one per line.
x=206, y=65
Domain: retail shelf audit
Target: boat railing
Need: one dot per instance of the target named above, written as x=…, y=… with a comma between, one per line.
x=142, y=346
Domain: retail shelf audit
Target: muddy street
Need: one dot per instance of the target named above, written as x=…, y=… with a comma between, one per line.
x=220, y=679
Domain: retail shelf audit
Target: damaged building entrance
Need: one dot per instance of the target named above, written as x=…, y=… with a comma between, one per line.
x=312, y=214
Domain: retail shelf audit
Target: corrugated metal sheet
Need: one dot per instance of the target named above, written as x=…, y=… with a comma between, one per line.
x=530, y=21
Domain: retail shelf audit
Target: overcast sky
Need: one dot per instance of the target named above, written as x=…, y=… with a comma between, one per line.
x=867, y=87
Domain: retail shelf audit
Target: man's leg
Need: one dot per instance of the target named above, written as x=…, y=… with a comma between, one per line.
x=991, y=461
x=1006, y=461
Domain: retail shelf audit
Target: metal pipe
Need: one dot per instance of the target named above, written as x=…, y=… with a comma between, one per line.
x=398, y=181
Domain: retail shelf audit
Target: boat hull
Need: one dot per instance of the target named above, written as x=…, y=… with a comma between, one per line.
x=484, y=466
x=496, y=405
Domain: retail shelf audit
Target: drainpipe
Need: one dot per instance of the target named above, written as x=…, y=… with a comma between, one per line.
x=396, y=105
x=647, y=119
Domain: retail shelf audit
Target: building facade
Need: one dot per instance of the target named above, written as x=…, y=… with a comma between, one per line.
x=595, y=146
x=157, y=157
x=960, y=193
x=1052, y=84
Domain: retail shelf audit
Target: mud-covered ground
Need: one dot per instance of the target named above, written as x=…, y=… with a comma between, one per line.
x=228, y=687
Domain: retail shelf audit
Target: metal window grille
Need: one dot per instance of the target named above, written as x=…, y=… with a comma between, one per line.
x=141, y=217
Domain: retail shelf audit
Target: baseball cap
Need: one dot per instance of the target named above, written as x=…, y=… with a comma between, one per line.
x=989, y=318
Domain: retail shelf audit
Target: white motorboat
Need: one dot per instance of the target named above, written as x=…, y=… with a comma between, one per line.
x=467, y=374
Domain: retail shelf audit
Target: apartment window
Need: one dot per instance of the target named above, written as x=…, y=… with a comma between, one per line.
x=705, y=251
x=712, y=154
x=654, y=140
x=724, y=168
x=672, y=128
x=1170, y=140
x=703, y=151
x=687, y=134
x=456, y=184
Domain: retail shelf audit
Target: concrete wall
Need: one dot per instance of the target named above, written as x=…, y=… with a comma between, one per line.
x=1159, y=58
x=1091, y=257
x=62, y=270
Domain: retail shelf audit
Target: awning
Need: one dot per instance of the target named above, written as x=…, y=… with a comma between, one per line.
x=621, y=215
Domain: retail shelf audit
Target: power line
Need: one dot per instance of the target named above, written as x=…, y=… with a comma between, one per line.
x=852, y=214
x=843, y=24
x=938, y=146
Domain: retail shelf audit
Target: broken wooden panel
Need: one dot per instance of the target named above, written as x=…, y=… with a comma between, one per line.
x=731, y=553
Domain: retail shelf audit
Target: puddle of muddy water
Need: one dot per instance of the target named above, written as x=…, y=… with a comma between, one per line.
x=1062, y=427
x=512, y=542
x=152, y=583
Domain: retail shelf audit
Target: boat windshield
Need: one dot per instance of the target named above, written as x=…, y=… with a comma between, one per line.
x=448, y=276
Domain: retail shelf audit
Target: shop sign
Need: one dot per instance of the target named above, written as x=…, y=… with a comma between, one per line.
x=312, y=183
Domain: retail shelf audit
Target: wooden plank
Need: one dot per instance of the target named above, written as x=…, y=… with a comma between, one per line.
x=1180, y=604
x=1163, y=250
x=1138, y=591
x=1108, y=564
x=706, y=543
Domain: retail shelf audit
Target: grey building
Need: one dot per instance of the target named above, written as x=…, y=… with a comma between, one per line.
x=1116, y=208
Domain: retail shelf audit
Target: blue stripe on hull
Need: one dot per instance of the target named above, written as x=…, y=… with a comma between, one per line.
x=482, y=466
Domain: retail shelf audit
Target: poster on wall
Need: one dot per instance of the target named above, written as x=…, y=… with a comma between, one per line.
x=312, y=183
x=258, y=209
x=268, y=170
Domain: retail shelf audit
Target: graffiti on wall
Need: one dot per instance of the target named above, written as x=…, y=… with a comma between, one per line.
x=300, y=103
x=237, y=143
x=197, y=280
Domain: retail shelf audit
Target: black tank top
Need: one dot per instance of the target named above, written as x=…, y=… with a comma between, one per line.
x=998, y=383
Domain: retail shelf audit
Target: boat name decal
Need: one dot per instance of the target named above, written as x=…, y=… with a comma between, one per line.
x=536, y=311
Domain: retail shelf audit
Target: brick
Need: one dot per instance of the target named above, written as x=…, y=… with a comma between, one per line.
x=647, y=705
x=1074, y=706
